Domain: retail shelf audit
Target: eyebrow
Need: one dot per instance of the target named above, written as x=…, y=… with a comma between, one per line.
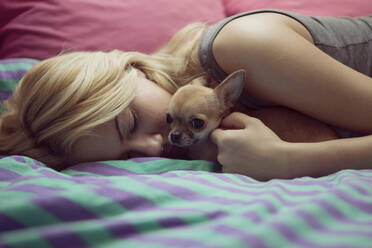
x=118, y=128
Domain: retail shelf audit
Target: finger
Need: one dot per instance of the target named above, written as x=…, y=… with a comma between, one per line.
x=236, y=120
x=216, y=135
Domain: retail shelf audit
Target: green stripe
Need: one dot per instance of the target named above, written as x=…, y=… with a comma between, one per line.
x=164, y=198
x=93, y=202
x=318, y=236
x=28, y=213
x=26, y=238
x=72, y=172
x=15, y=66
x=197, y=233
x=101, y=206
x=277, y=186
x=14, y=195
x=157, y=196
x=91, y=232
x=162, y=165
x=8, y=84
x=21, y=168
x=130, y=244
x=345, y=208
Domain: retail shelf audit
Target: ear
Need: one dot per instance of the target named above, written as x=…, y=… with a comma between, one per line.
x=229, y=91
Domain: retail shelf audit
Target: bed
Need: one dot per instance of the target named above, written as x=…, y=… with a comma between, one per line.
x=159, y=202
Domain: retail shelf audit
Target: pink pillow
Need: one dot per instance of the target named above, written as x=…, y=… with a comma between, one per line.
x=305, y=7
x=43, y=28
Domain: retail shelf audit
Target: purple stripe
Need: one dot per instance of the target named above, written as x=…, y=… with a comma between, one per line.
x=132, y=201
x=8, y=175
x=362, y=205
x=21, y=179
x=12, y=75
x=319, y=227
x=215, y=214
x=56, y=205
x=281, y=184
x=87, y=179
x=126, y=199
x=146, y=159
x=21, y=159
x=3, y=245
x=188, y=195
x=36, y=164
x=361, y=190
x=64, y=209
x=35, y=189
x=245, y=192
x=5, y=95
x=18, y=61
x=242, y=189
x=361, y=173
x=9, y=224
x=247, y=180
x=172, y=222
x=293, y=238
x=120, y=228
x=337, y=214
x=61, y=238
x=124, y=230
x=252, y=216
x=18, y=158
x=249, y=239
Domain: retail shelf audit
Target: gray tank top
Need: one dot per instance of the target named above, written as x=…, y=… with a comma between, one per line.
x=346, y=39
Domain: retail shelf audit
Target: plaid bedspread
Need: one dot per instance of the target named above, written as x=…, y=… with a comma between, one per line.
x=174, y=203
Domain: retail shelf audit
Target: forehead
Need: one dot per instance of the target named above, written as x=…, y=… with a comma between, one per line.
x=191, y=97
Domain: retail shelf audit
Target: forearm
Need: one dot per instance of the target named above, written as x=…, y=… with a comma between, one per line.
x=324, y=158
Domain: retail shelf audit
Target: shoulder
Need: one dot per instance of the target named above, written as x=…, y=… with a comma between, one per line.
x=252, y=34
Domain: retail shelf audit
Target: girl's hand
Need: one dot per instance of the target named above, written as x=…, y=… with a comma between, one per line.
x=246, y=146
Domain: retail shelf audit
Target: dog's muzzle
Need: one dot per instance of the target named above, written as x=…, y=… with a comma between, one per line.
x=180, y=139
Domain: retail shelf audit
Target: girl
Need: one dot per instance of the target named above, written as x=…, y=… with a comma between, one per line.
x=90, y=106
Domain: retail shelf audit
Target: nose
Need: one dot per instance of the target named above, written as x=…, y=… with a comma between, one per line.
x=175, y=136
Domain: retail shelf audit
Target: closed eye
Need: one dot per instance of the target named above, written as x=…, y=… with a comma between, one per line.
x=134, y=123
x=127, y=128
x=118, y=129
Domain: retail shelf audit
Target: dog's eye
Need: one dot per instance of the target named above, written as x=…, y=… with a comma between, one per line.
x=169, y=118
x=197, y=123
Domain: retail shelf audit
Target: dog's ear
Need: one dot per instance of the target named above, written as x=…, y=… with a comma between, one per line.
x=229, y=91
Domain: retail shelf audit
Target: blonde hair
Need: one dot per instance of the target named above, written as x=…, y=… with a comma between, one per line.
x=63, y=98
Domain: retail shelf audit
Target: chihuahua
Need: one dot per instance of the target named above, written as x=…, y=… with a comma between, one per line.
x=196, y=110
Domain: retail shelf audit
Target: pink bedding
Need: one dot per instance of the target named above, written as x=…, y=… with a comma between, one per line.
x=43, y=28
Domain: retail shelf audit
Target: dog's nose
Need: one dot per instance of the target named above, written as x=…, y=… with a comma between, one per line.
x=175, y=136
